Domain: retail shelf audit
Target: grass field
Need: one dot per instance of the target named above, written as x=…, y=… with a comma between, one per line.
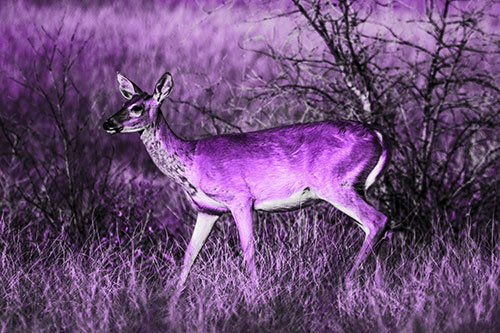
x=448, y=286
x=122, y=277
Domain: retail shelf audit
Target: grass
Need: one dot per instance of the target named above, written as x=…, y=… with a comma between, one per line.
x=302, y=258
x=122, y=278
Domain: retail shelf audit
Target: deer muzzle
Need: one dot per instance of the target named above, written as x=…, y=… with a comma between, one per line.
x=112, y=127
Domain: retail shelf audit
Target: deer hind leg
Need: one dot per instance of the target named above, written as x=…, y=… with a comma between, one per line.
x=367, y=217
x=204, y=224
x=244, y=222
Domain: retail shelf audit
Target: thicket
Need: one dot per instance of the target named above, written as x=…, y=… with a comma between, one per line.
x=430, y=81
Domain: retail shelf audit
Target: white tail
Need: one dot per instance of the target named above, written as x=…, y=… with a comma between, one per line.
x=278, y=169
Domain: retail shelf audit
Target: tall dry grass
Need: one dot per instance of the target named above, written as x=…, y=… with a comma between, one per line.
x=450, y=285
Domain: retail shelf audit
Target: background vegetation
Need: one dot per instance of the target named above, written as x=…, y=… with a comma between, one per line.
x=91, y=235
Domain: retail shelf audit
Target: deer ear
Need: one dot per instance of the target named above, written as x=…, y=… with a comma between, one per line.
x=127, y=87
x=163, y=87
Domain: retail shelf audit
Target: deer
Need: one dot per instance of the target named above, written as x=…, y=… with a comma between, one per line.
x=273, y=170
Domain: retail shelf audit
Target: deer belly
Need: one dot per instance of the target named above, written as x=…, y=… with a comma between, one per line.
x=296, y=200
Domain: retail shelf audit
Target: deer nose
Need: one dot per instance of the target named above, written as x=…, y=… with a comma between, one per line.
x=111, y=127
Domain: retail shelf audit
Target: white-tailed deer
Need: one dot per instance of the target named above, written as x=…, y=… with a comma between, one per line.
x=277, y=169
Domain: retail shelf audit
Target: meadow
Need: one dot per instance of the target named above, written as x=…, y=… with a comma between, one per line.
x=92, y=235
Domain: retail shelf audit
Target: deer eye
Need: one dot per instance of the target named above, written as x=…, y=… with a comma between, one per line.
x=136, y=110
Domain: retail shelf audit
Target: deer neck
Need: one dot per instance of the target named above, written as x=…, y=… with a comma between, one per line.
x=171, y=154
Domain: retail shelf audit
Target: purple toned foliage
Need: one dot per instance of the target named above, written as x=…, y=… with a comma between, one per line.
x=92, y=234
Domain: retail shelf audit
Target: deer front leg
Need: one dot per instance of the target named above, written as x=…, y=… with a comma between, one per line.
x=204, y=224
x=243, y=217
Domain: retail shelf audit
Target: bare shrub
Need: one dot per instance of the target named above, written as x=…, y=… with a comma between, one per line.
x=56, y=183
x=435, y=92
